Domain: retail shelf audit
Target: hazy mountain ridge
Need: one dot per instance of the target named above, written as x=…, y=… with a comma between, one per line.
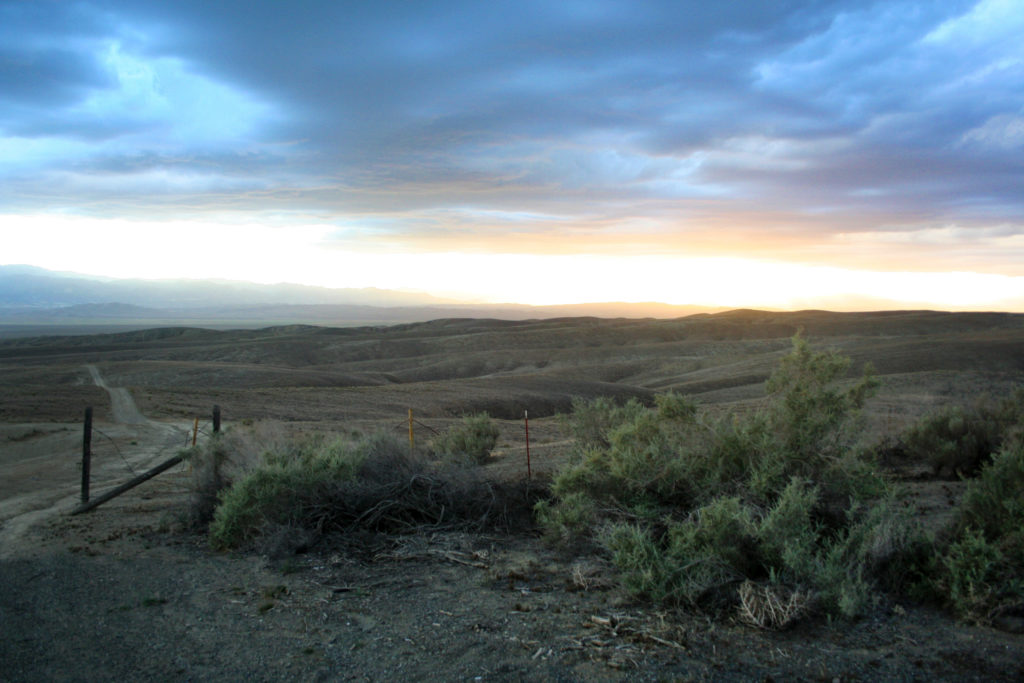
x=32, y=298
x=37, y=288
x=30, y=295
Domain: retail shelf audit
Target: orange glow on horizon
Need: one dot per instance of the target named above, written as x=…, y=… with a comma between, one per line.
x=305, y=255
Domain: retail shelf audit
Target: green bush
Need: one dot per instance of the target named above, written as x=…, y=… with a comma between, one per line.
x=473, y=438
x=690, y=505
x=680, y=458
x=970, y=566
x=958, y=441
x=591, y=421
x=712, y=549
x=982, y=566
x=789, y=534
x=809, y=408
x=994, y=502
x=568, y=519
x=216, y=463
x=876, y=549
x=286, y=489
x=643, y=568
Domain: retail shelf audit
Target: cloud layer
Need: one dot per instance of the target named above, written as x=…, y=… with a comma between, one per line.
x=883, y=135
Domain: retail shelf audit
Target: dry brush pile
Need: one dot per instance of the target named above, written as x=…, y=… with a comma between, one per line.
x=259, y=490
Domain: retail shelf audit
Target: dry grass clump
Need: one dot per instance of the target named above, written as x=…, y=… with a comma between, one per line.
x=771, y=607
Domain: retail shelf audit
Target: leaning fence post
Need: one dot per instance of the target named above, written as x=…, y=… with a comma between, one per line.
x=216, y=419
x=526, y=420
x=145, y=476
x=86, y=453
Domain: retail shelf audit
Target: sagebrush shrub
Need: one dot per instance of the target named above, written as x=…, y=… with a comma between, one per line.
x=567, y=519
x=643, y=568
x=217, y=462
x=971, y=563
x=994, y=502
x=809, y=407
x=473, y=438
x=982, y=565
x=692, y=504
x=691, y=561
x=285, y=490
x=589, y=422
x=789, y=533
x=959, y=441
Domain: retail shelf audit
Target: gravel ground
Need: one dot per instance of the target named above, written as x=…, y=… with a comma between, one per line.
x=125, y=593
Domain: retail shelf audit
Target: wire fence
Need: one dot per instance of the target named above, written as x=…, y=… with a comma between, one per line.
x=176, y=441
x=170, y=451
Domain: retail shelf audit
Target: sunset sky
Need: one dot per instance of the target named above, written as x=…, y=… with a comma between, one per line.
x=774, y=154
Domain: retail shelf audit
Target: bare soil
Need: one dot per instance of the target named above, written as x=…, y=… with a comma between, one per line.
x=129, y=591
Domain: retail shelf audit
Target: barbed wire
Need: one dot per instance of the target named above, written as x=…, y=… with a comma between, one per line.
x=116, y=449
x=404, y=424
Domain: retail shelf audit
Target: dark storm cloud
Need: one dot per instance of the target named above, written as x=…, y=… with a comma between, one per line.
x=911, y=111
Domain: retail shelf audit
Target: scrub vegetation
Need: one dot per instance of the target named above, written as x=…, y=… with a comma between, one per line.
x=289, y=493
x=958, y=441
x=781, y=511
x=777, y=512
x=471, y=440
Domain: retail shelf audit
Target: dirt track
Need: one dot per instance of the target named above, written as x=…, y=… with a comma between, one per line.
x=121, y=402
x=40, y=464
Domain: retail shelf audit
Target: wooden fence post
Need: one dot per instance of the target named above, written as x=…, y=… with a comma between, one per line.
x=216, y=419
x=86, y=454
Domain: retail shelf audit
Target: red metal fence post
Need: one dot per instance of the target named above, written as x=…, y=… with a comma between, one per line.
x=526, y=420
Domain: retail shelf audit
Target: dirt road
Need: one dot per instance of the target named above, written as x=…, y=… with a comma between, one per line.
x=121, y=402
x=40, y=464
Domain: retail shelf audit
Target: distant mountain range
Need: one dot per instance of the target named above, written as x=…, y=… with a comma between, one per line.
x=59, y=303
x=28, y=286
x=35, y=296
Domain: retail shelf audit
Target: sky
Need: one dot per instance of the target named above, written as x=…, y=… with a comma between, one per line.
x=777, y=154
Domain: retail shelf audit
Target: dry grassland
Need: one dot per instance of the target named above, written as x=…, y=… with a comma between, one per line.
x=445, y=606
